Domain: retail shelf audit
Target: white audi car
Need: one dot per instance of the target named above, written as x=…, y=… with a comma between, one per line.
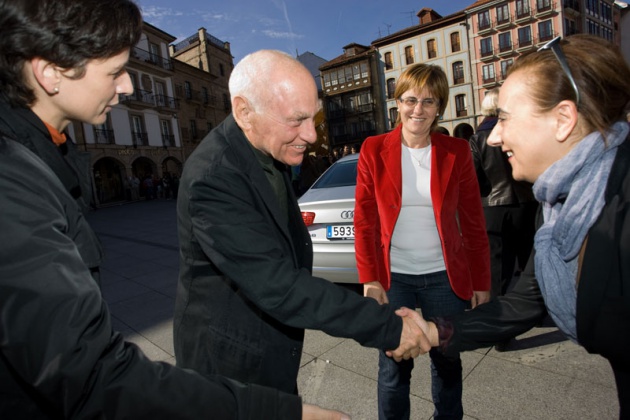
x=328, y=212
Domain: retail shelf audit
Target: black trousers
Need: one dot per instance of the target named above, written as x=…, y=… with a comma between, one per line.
x=510, y=231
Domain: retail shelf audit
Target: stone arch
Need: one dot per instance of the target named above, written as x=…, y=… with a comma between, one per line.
x=144, y=168
x=172, y=166
x=463, y=131
x=442, y=130
x=109, y=180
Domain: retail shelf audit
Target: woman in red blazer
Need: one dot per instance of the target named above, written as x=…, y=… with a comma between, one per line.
x=420, y=232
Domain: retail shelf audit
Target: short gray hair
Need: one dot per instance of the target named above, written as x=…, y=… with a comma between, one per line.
x=251, y=75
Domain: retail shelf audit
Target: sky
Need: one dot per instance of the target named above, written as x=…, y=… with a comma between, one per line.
x=321, y=27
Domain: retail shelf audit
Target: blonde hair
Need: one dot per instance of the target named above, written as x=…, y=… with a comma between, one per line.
x=490, y=103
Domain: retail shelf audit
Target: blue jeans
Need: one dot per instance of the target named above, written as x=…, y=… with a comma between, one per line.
x=433, y=294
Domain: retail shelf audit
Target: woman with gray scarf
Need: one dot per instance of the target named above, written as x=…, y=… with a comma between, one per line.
x=562, y=124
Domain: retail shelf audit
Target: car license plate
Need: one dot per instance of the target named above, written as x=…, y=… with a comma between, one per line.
x=340, y=232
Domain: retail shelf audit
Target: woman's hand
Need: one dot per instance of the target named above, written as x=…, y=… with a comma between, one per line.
x=479, y=297
x=375, y=290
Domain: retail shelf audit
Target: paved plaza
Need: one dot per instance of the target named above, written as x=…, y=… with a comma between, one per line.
x=541, y=376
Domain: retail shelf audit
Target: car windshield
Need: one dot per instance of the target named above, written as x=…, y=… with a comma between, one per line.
x=341, y=174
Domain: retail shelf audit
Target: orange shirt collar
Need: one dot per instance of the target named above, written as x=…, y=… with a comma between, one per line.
x=57, y=137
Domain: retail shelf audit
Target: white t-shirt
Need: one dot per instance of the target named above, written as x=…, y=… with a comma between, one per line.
x=416, y=247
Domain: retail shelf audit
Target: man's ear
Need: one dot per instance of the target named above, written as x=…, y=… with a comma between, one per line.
x=47, y=75
x=566, y=115
x=242, y=111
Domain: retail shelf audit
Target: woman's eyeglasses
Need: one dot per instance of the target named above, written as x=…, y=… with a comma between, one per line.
x=554, y=46
x=412, y=102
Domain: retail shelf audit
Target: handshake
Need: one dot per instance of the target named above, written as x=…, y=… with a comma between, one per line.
x=418, y=336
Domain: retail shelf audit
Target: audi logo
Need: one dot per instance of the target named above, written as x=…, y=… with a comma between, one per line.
x=347, y=214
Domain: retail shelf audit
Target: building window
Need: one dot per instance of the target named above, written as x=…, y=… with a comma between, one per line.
x=348, y=71
x=204, y=95
x=460, y=105
x=607, y=13
x=522, y=8
x=193, y=130
x=483, y=20
x=326, y=79
x=221, y=69
x=187, y=90
x=488, y=73
x=570, y=27
x=503, y=14
x=139, y=136
x=333, y=78
x=103, y=133
x=409, y=59
x=505, y=41
x=592, y=27
x=356, y=72
x=543, y=5
x=393, y=117
x=341, y=76
x=524, y=36
x=455, y=42
x=505, y=66
x=154, y=53
x=226, y=102
x=458, y=72
x=486, y=47
x=545, y=31
x=167, y=138
x=431, y=48
x=391, y=87
x=364, y=70
x=389, y=64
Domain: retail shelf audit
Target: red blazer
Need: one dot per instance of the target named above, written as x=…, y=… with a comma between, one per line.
x=456, y=206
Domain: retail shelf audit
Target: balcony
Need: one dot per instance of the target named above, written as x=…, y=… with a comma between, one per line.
x=506, y=49
x=524, y=44
x=489, y=81
x=571, y=7
x=104, y=136
x=543, y=38
x=168, y=140
x=523, y=14
x=504, y=22
x=139, y=138
x=486, y=54
x=166, y=102
x=192, y=95
x=544, y=8
x=484, y=27
x=139, y=98
x=154, y=59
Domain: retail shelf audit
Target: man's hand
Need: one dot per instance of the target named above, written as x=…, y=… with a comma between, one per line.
x=479, y=297
x=412, y=340
x=431, y=337
x=375, y=290
x=313, y=412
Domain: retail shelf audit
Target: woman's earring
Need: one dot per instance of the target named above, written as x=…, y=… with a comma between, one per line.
x=56, y=89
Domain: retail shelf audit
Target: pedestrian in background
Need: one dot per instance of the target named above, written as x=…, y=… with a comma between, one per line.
x=562, y=123
x=419, y=233
x=65, y=60
x=246, y=292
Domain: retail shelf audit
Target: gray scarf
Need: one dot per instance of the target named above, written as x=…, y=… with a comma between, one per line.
x=572, y=195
